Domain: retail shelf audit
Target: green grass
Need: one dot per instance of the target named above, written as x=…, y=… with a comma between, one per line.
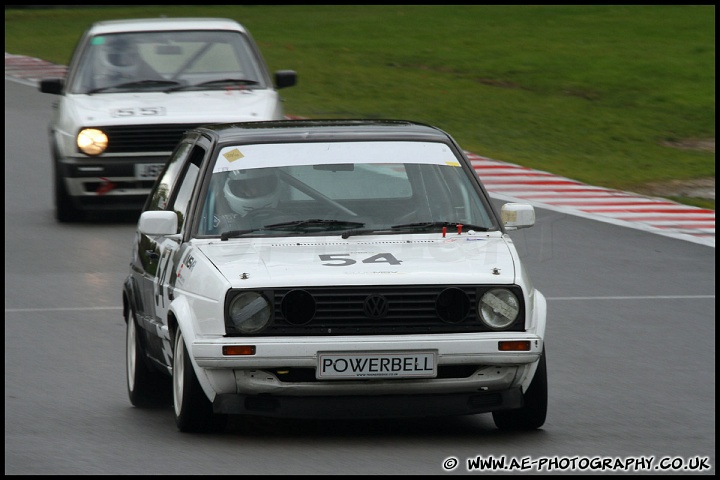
x=591, y=93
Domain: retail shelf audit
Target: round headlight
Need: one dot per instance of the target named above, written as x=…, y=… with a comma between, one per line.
x=250, y=312
x=92, y=141
x=498, y=308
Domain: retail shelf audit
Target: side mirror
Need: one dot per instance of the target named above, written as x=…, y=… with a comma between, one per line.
x=517, y=215
x=285, y=78
x=52, y=85
x=161, y=222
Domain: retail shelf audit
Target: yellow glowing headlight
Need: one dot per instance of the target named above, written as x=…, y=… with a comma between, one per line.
x=92, y=141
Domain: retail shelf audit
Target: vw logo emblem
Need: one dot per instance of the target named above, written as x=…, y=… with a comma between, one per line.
x=376, y=306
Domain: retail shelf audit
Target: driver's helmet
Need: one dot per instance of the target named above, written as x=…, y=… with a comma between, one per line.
x=247, y=190
x=121, y=56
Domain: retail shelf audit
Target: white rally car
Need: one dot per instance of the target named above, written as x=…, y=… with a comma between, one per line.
x=133, y=87
x=328, y=268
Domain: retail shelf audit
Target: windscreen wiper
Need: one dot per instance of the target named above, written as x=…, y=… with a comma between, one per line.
x=365, y=231
x=236, y=233
x=422, y=226
x=314, y=223
x=214, y=83
x=136, y=83
x=416, y=227
x=295, y=225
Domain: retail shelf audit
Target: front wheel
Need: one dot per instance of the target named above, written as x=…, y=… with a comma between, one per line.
x=193, y=410
x=532, y=415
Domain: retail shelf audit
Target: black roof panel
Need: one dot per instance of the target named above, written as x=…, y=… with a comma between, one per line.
x=319, y=130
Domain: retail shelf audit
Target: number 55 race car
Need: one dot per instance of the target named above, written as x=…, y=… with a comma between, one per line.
x=342, y=269
x=132, y=88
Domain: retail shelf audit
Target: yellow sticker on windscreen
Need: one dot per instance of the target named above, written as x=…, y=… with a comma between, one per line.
x=233, y=155
x=453, y=163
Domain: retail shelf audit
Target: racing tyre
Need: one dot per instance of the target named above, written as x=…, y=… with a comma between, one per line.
x=65, y=209
x=146, y=388
x=532, y=415
x=193, y=410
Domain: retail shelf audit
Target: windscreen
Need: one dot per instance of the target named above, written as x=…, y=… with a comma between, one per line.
x=169, y=59
x=326, y=188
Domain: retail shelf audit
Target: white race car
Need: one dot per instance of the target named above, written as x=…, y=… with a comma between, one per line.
x=132, y=88
x=330, y=268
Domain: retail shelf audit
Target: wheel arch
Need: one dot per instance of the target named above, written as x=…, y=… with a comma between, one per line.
x=180, y=318
x=540, y=313
x=538, y=325
x=129, y=297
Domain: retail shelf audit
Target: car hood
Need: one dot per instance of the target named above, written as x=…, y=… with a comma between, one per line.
x=315, y=261
x=207, y=106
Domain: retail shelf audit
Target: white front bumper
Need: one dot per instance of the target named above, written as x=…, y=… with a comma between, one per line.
x=257, y=374
x=279, y=352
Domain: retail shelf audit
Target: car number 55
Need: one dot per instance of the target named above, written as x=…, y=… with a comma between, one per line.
x=137, y=112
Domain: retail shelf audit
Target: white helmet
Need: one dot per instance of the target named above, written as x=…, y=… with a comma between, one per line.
x=247, y=190
x=121, y=56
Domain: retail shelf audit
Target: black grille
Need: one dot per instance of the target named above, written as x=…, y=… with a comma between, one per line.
x=144, y=138
x=379, y=310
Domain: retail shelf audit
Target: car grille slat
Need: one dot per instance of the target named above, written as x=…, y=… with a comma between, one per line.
x=144, y=138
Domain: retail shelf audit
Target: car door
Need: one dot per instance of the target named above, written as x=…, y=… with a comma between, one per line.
x=158, y=255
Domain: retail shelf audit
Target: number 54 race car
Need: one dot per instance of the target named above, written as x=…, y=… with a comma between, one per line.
x=330, y=268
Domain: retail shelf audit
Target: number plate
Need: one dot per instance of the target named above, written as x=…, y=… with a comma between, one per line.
x=344, y=365
x=148, y=171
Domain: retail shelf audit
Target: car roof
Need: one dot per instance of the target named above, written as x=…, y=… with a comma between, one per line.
x=321, y=130
x=164, y=24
